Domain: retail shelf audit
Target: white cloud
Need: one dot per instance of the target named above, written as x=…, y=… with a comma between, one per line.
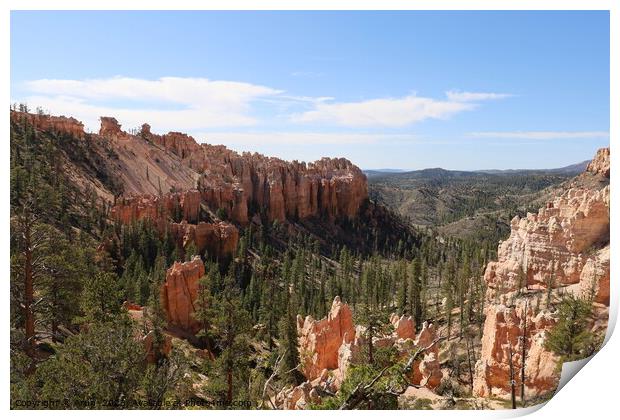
x=252, y=139
x=459, y=96
x=541, y=135
x=178, y=103
x=307, y=74
x=393, y=112
x=189, y=104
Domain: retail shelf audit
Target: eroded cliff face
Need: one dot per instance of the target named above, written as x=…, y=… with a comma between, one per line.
x=171, y=179
x=242, y=183
x=600, y=163
x=52, y=123
x=564, y=248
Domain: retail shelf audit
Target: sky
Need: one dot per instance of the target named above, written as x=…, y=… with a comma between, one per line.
x=410, y=90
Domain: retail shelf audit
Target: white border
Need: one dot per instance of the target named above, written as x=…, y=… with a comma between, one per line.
x=591, y=395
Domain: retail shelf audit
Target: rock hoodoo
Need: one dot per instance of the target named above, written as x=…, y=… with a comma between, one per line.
x=564, y=247
x=179, y=292
x=319, y=341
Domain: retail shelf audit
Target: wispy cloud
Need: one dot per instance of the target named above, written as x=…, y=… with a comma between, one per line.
x=192, y=104
x=459, y=96
x=253, y=139
x=307, y=74
x=184, y=103
x=541, y=135
x=393, y=112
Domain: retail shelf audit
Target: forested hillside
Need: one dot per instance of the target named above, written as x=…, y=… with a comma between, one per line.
x=475, y=205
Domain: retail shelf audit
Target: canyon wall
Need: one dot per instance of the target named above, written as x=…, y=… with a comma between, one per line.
x=241, y=184
x=564, y=248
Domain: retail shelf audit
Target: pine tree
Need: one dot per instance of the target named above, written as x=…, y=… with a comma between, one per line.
x=231, y=328
x=101, y=297
x=570, y=337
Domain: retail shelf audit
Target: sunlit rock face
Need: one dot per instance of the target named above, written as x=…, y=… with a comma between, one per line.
x=62, y=124
x=564, y=247
x=601, y=163
x=319, y=341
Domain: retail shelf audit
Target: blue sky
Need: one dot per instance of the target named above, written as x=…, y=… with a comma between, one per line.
x=459, y=90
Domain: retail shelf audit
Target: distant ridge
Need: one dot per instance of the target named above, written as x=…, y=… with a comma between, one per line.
x=441, y=173
x=575, y=168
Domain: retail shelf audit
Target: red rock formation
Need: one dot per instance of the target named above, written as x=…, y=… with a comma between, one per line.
x=182, y=205
x=563, y=247
x=217, y=239
x=110, y=128
x=552, y=244
x=319, y=341
x=503, y=333
x=404, y=327
x=179, y=292
x=427, y=372
x=45, y=122
x=601, y=163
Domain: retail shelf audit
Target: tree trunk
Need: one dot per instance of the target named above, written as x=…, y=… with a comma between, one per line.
x=523, y=354
x=513, y=397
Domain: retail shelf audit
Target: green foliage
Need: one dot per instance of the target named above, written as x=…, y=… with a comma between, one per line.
x=571, y=337
x=101, y=298
x=99, y=368
x=231, y=328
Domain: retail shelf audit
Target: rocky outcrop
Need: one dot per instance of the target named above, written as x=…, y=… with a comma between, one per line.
x=506, y=330
x=180, y=206
x=319, y=341
x=404, y=327
x=552, y=246
x=218, y=239
x=564, y=248
x=179, y=292
x=427, y=372
x=601, y=163
x=52, y=123
x=241, y=184
x=328, y=347
x=110, y=128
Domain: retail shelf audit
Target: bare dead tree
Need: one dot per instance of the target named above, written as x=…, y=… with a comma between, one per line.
x=523, y=354
x=469, y=346
x=274, y=374
x=363, y=391
x=513, y=398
